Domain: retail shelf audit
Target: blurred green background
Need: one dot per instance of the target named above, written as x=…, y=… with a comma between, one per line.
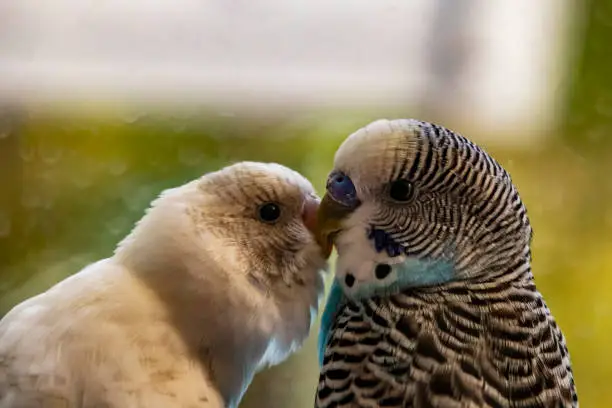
x=73, y=186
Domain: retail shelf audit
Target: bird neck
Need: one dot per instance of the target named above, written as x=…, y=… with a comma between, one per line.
x=335, y=300
x=516, y=268
x=517, y=274
x=217, y=320
x=196, y=282
x=216, y=313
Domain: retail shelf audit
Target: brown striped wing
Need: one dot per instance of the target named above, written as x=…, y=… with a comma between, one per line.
x=461, y=349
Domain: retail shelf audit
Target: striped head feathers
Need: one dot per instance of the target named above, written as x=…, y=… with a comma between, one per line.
x=412, y=204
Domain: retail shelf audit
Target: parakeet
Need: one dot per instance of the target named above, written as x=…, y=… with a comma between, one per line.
x=220, y=278
x=434, y=302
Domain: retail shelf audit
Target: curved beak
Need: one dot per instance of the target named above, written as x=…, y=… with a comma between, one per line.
x=310, y=219
x=309, y=213
x=330, y=216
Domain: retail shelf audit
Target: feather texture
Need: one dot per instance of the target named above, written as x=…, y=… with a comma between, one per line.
x=455, y=320
x=202, y=294
x=457, y=346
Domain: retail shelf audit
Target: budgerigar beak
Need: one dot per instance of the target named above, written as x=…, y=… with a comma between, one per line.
x=330, y=216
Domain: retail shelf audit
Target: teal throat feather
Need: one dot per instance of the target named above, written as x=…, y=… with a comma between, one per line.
x=335, y=301
x=409, y=274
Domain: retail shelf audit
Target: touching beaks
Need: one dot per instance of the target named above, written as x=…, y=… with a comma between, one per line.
x=330, y=216
x=309, y=213
x=310, y=218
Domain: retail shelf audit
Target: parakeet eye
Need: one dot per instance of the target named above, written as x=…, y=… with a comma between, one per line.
x=401, y=190
x=269, y=212
x=341, y=188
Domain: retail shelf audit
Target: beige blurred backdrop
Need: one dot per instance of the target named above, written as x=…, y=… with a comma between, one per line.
x=105, y=104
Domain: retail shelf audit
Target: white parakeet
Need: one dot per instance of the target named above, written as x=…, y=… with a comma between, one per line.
x=219, y=279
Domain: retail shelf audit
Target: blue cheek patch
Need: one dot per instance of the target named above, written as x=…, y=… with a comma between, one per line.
x=335, y=301
x=409, y=274
x=414, y=272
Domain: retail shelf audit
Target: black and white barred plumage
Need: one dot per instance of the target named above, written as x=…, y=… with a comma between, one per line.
x=478, y=336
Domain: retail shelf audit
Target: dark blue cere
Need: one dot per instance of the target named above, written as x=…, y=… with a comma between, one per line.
x=384, y=242
x=341, y=188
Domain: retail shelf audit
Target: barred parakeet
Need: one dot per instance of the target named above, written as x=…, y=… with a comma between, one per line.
x=220, y=278
x=434, y=303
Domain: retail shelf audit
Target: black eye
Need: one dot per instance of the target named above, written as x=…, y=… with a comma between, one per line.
x=401, y=190
x=269, y=212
